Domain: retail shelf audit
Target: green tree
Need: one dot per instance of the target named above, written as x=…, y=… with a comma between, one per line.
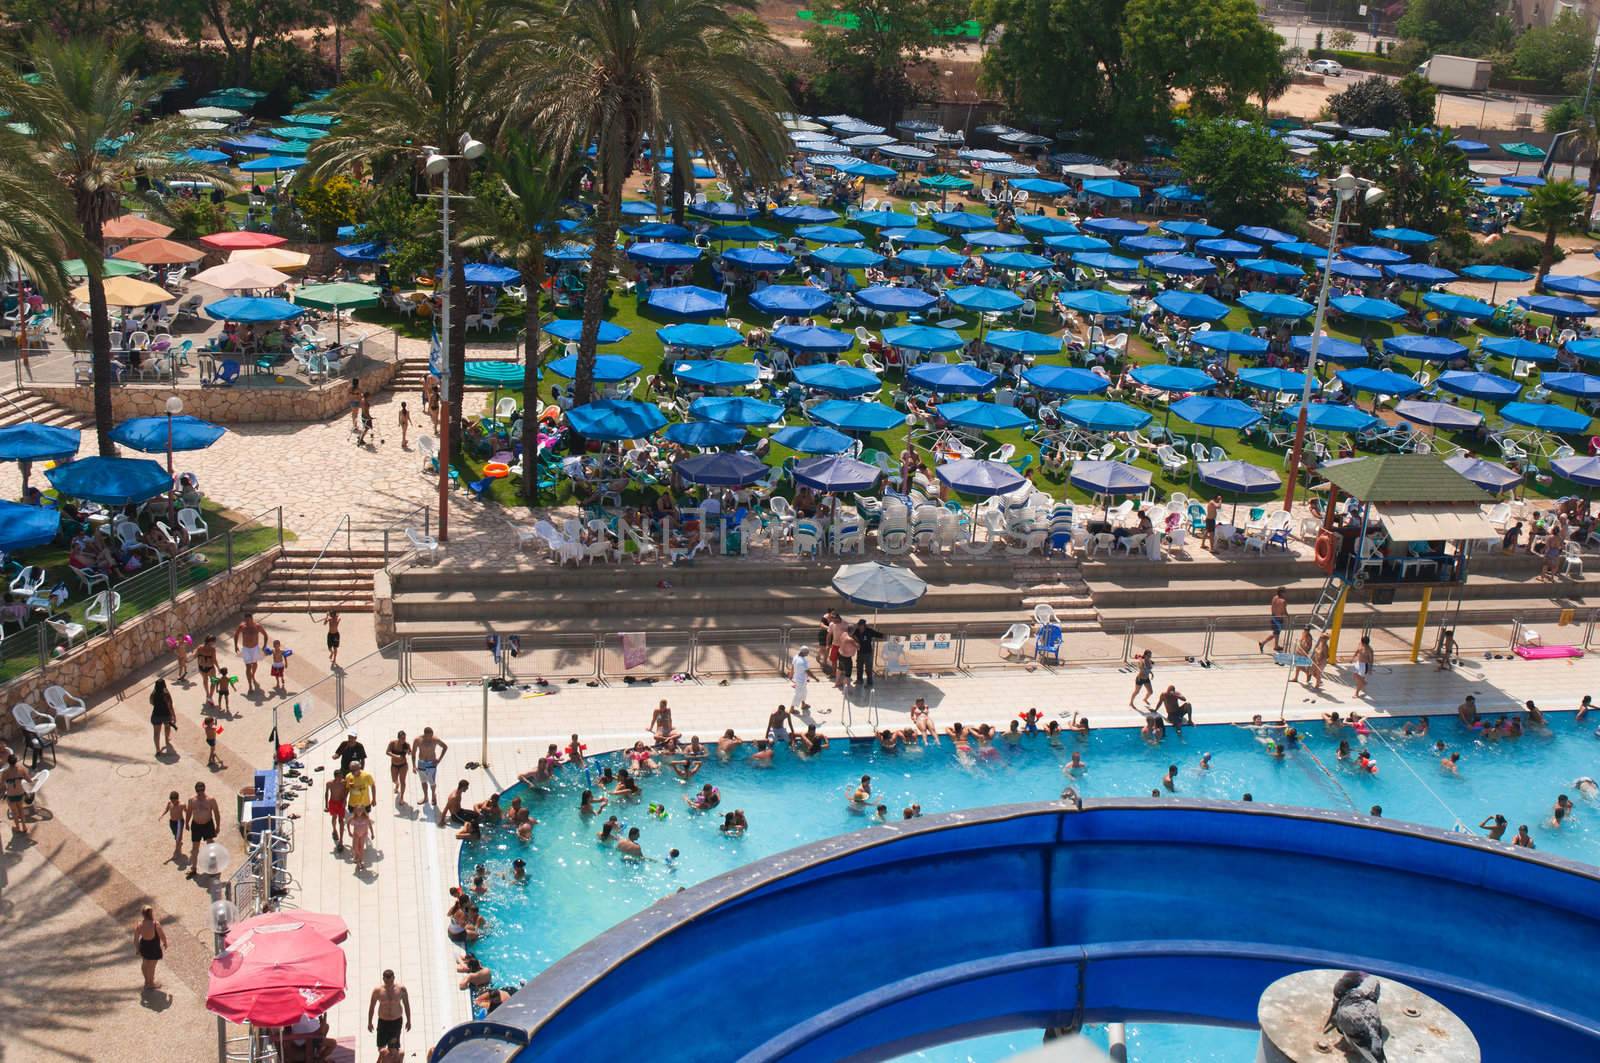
x=1569, y=114
x=1242, y=169
x=86, y=111
x=326, y=205
x=85, y=18
x=1342, y=40
x=1427, y=182
x=241, y=25
x=37, y=222
x=1373, y=102
x=690, y=73
x=437, y=77
x=519, y=201
x=1454, y=26
x=867, y=53
x=1554, y=209
x=407, y=227
x=1419, y=94
x=1552, y=53
x=1219, y=51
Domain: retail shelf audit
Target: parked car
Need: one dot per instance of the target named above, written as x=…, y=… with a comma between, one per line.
x=1325, y=67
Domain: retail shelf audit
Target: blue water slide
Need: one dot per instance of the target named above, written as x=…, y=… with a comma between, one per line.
x=874, y=944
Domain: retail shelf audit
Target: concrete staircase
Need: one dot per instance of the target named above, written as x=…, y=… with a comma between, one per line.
x=408, y=376
x=1058, y=583
x=300, y=583
x=20, y=405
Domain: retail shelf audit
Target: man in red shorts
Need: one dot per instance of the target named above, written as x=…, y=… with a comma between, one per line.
x=333, y=793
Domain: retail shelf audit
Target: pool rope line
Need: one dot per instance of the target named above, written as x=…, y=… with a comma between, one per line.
x=1390, y=746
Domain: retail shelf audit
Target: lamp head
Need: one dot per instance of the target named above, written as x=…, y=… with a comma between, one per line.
x=470, y=148
x=435, y=164
x=174, y=406
x=1345, y=185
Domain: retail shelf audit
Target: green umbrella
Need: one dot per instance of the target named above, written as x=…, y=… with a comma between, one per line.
x=946, y=181
x=339, y=295
x=114, y=267
x=1523, y=150
x=298, y=132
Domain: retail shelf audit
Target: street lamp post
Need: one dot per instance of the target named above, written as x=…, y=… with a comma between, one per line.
x=1345, y=187
x=437, y=164
x=174, y=407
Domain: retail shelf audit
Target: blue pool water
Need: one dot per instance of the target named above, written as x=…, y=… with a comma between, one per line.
x=577, y=888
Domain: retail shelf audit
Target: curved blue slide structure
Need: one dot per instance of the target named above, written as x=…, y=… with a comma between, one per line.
x=873, y=944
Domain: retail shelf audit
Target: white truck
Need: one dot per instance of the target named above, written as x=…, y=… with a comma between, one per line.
x=1457, y=72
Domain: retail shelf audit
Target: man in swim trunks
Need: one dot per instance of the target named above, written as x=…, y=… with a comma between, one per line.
x=12, y=781
x=1278, y=613
x=333, y=794
x=392, y=1003
x=360, y=786
x=248, y=638
x=201, y=815
x=429, y=751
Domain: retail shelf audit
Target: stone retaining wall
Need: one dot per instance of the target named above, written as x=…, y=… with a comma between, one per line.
x=231, y=405
x=106, y=659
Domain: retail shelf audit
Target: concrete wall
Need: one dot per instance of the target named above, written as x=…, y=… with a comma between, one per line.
x=231, y=405
x=106, y=659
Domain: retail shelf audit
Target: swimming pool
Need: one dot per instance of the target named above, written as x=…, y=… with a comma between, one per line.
x=577, y=888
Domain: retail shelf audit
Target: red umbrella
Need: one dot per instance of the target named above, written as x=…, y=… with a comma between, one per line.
x=329, y=926
x=273, y=976
x=236, y=241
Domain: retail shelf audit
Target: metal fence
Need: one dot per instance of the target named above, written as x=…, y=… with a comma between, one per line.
x=73, y=623
x=343, y=690
x=395, y=543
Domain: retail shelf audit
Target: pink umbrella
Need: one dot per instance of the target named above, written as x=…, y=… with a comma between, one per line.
x=275, y=975
x=329, y=926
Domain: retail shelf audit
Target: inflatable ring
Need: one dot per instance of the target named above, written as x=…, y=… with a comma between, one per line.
x=550, y=414
x=1325, y=550
x=497, y=470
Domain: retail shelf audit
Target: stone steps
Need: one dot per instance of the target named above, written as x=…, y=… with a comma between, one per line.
x=20, y=406
x=299, y=582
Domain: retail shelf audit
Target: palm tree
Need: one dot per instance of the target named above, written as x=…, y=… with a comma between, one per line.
x=518, y=218
x=36, y=225
x=85, y=108
x=1555, y=208
x=1585, y=137
x=436, y=79
x=690, y=73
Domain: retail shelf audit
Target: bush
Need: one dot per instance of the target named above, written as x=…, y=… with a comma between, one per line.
x=194, y=217
x=1342, y=39
x=1518, y=252
x=1373, y=102
x=1362, y=61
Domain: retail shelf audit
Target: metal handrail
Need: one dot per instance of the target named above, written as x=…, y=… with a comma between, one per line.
x=343, y=522
x=400, y=526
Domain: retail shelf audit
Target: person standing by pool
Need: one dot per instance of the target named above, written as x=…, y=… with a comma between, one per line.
x=429, y=751
x=1209, y=538
x=163, y=717
x=150, y=942
x=331, y=621
x=1145, y=679
x=248, y=638
x=401, y=758
x=12, y=781
x=391, y=1003
x=202, y=815
x=205, y=659
x=360, y=786
x=799, y=669
x=333, y=795
x=1278, y=612
x=1362, y=659
x=867, y=639
x=405, y=426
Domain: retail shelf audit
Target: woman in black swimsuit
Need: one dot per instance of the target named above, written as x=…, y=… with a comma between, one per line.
x=162, y=715
x=149, y=941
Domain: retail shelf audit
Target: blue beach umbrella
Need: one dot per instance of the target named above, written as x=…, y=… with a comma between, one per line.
x=983, y=416
x=368, y=251
x=1264, y=234
x=985, y=300
x=1477, y=385
x=1078, y=242
x=962, y=221
x=204, y=156
x=1546, y=418
x=687, y=300
x=1489, y=475
x=660, y=230
x=1117, y=227
x=1229, y=342
x=613, y=419
x=847, y=257
x=895, y=300
x=1110, y=189
x=492, y=373
x=884, y=219
x=836, y=473
x=1438, y=414
x=1378, y=382
x=721, y=209
x=783, y=299
x=1174, y=378
x=1102, y=416
x=570, y=329
x=1271, y=304
x=1180, y=194
x=1282, y=381
x=1153, y=245
x=994, y=239
x=723, y=469
x=1373, y=255
x=1210, y=412
x=975, y=476
x=1238, y=477
x=1495, y=274
x=251, y=142
x=1404, y=236
x=852, y=416
x=1191, y=230
x=272, y=163
x=111, y=481
x=1517, y=347
x=150, y=434
x=1023, y=342
x=829, y=234
x=837, y=378
x=1106, y=262
x=929, y=258
x=704, y=434
x=735, y=409
x=1355, y=271
x=1468, y=146
x=633, y=208
x=32, y=441
x=1109, y=478
x=699, y=337
x=1586, y=349
x=1580, y=385
x=1181, y=265
x=1556, y=306
x=879, y=586
x=1040, y=186
x=951, y=378
x=664, y=253
x=1457, y=305
x=1042, y=225
x=1330, y=417
x=915, y=237
x=743, y=234
x=812, y=439
x=1580, y=469
x=1065, y=380
x=1095, y=302
x=1191, y=306
x=1367, y=309
x=1228, y=248
x=804, y=214
x=1420, y=273
x=22, y=527
x=608, y=368
x=1330, y=349
x=488, y=274
x=813, y=339
x=252, y=309
x=1572, y=284
x=700, y=170
x=1505, y=192
x=758, y=258
x=569, y=253
x=1429, y=348
x=1300, y=249
x=1270, y=267
x=1016, y=260
x=715, y=373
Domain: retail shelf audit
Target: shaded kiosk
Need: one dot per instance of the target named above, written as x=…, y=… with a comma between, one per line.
x=1391, y=521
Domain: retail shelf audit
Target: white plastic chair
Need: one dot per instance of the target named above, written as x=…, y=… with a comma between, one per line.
x=193, y=527
x=33, y=721
x=63, y=704
x=427, y=544
x=1016, y=639
x=26, y=583
x=102, y=607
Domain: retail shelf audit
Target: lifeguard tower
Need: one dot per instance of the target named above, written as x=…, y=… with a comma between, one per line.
x=1400, y=520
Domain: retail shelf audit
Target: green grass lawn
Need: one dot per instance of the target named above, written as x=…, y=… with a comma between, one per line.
x=643, y=347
